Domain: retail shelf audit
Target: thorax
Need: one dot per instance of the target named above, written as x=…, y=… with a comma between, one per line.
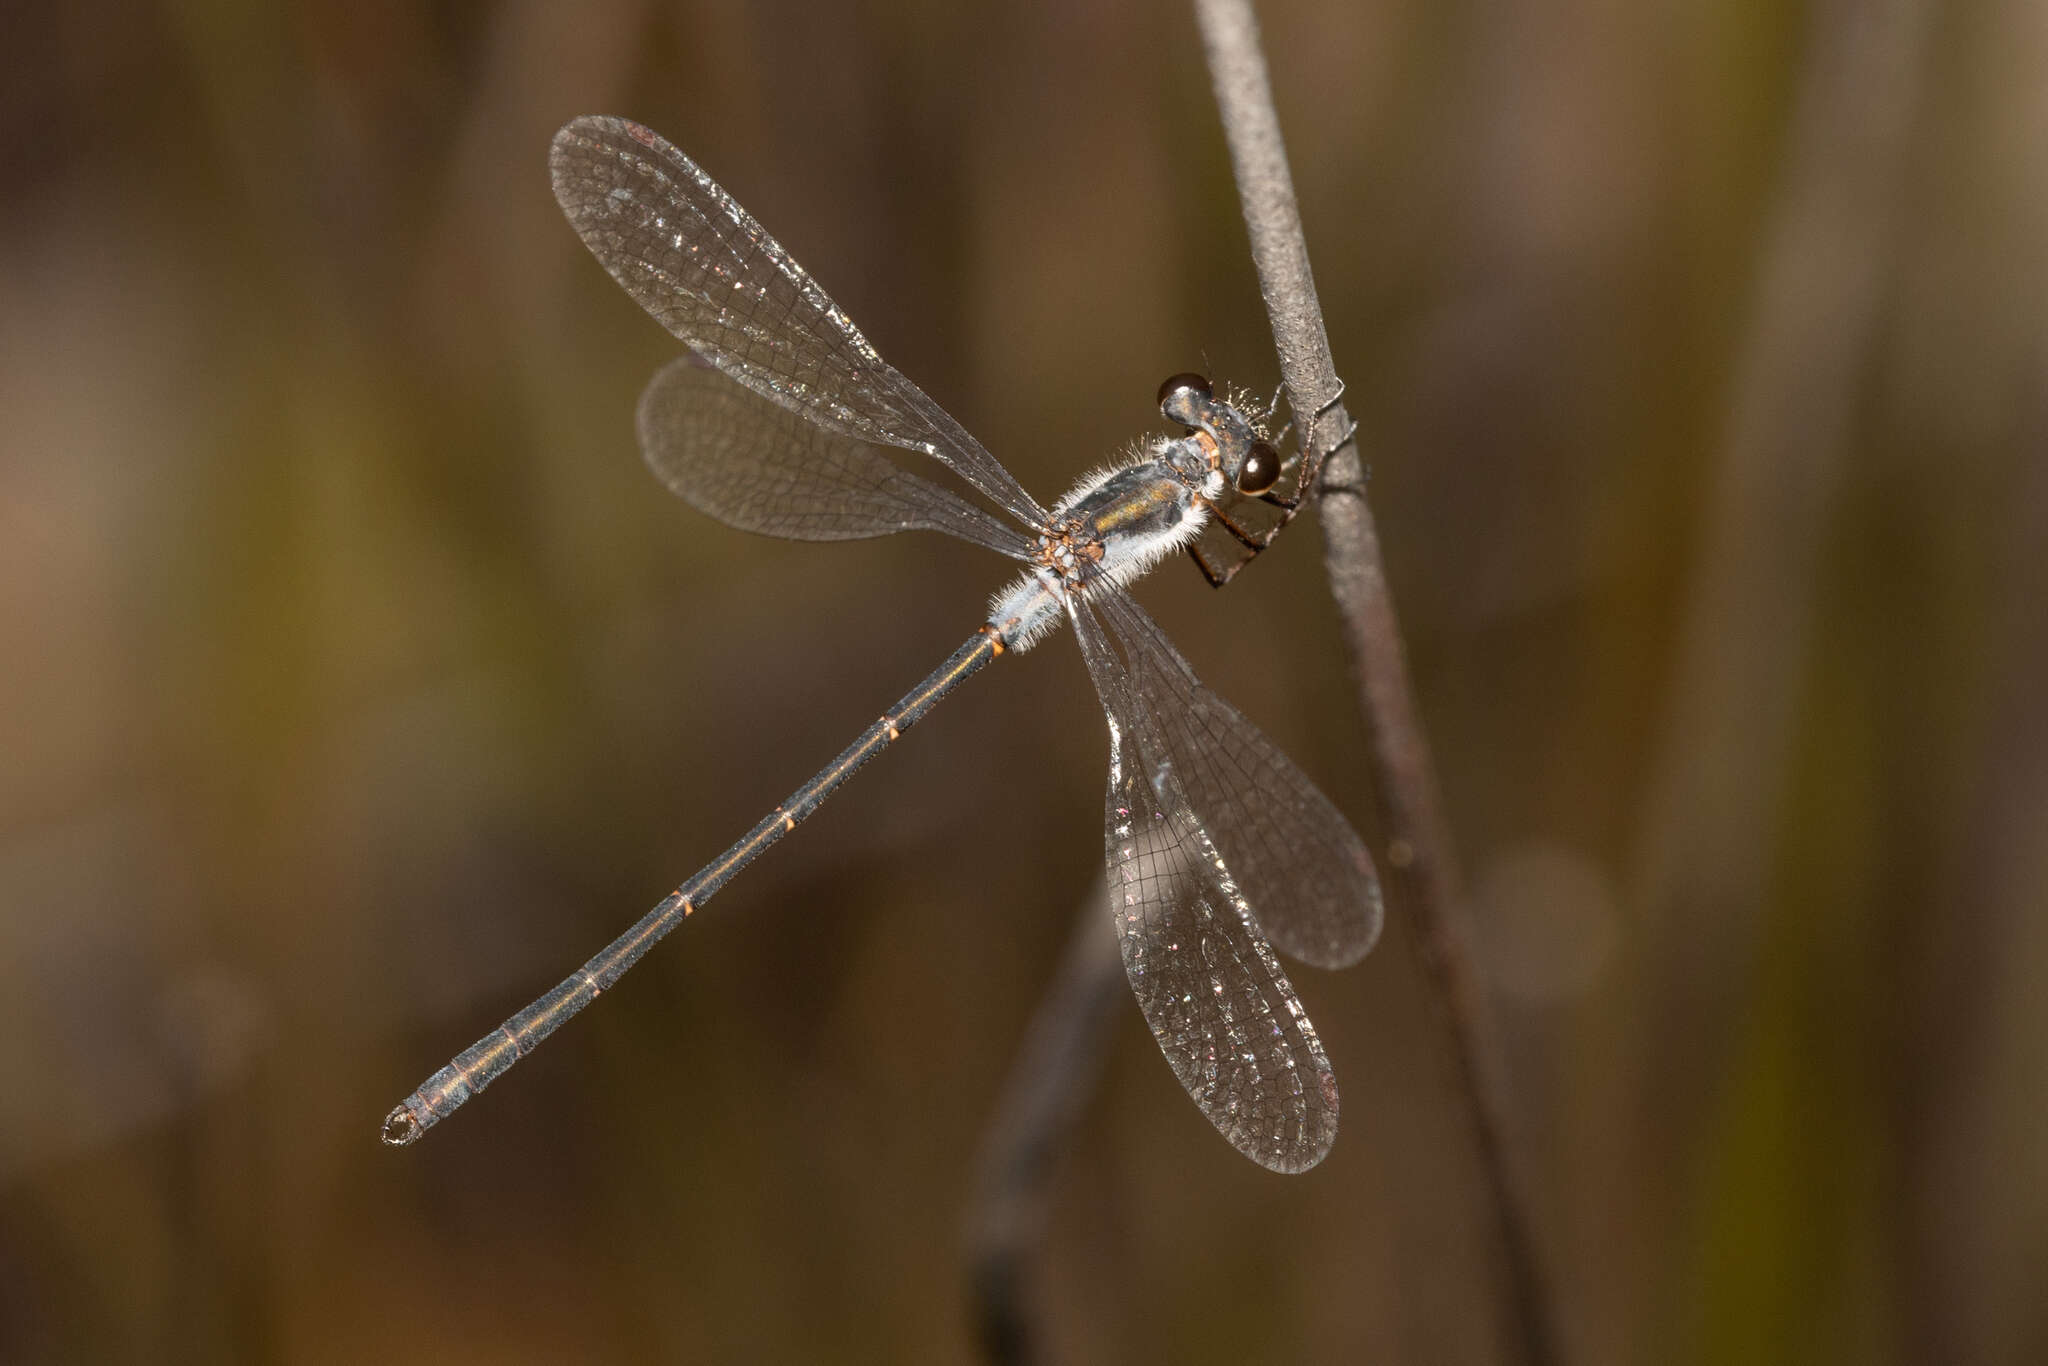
x=1114, y=525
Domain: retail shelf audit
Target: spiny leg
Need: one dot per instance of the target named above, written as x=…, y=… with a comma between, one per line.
x=1312, y=460
x=1217, y=578
x=1273, y=411
x=1309, y=466
x=1246, y=538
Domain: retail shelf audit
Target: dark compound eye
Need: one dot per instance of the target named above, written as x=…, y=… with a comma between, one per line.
x=1261, y=469
x=1187, y=379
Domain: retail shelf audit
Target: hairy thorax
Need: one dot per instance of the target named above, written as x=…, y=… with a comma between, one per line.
x=1114, y=525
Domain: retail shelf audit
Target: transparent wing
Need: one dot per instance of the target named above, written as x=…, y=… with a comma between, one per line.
x=759, y=467
x=1308, y=876
x=713, y=276
x=1222, y=1010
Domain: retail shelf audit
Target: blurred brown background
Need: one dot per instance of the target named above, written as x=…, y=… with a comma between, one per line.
x=358, y=681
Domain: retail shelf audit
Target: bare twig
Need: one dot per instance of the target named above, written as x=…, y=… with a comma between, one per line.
x=1055, y=1070
x=1419, y=854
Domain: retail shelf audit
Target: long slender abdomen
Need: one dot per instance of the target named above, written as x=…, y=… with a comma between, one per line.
x=493, y=1055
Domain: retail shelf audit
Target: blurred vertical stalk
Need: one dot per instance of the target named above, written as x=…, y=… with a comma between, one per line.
x=1968, y=1090
x=1042, y=1098
x=1965, y=991
x=1705, y=848
x=1420, y=859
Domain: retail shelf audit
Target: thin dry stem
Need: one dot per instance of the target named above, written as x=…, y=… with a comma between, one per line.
x=1418, y=854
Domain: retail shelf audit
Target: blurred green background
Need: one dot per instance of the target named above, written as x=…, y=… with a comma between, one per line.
x=358, y=681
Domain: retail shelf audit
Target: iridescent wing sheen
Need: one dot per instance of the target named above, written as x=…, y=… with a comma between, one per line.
x=701, y=265
x=1219, y=1004
x=1307, y=874
x=760, y=467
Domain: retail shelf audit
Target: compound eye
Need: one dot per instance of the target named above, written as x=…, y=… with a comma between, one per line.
x=1187, y=379
x=1261, y=469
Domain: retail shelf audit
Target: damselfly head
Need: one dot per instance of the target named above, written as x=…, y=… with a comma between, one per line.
x=1234, y=446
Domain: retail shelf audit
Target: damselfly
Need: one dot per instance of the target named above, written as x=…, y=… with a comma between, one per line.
x=1218, y=846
